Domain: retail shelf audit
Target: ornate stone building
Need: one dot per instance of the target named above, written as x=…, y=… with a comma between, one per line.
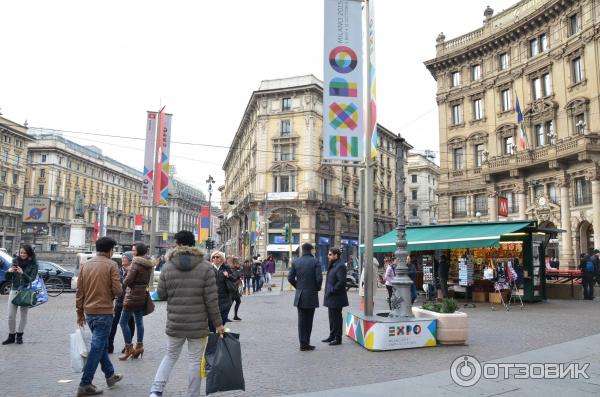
x=274, y=176
x=422, y=182
x=63, y=171
x=546, y=54
x=13, y=154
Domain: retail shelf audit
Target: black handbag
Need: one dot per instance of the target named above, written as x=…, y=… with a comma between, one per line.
x=224, y=363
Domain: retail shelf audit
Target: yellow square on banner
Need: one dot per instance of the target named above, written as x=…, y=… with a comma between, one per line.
x=165, y=236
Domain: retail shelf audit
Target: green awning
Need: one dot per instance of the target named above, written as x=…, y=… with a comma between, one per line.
x=438, y=237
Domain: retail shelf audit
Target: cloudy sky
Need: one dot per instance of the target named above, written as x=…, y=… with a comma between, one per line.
x=97, y=67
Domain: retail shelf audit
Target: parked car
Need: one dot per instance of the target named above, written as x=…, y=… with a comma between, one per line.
x=52, y=269
x=5, y=263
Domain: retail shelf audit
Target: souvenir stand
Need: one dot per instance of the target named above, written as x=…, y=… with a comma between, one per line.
x=471, y=249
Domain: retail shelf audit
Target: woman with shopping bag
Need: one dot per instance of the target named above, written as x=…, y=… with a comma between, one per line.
x=135, y=301
x=23, y=272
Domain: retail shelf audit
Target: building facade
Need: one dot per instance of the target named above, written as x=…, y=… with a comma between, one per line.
x=274, y=176
x=423, y=176
x=14, y=139
x=79, y=180
x=546, y=54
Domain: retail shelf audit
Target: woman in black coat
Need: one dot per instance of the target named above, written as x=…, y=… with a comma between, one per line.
x=335, y=296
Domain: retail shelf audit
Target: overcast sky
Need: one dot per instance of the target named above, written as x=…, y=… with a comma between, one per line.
x=97, y=67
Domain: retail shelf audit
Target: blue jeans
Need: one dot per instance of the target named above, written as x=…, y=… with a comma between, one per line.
x=139, y=324
x=100, y=326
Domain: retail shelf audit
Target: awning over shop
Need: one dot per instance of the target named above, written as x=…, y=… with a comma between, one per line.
x=281, y=247
x=438, y=237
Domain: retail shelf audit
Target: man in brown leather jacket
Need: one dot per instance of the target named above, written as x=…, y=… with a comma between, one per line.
x=98, y=284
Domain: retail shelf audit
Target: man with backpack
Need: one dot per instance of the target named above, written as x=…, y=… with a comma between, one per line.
x=589, y=269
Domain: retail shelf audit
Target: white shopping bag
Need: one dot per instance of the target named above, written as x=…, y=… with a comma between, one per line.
x=84, y=340
x=77, y=360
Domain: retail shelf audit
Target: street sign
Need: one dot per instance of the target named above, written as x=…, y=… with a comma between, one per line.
x=36, y=210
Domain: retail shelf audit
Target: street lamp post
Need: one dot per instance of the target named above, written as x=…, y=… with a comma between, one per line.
x=401, y=301
x=210, y=182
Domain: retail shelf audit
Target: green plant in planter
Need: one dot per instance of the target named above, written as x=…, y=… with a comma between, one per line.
x=447, y=306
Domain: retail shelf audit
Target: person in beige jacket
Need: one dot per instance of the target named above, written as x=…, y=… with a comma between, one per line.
x=98, y=284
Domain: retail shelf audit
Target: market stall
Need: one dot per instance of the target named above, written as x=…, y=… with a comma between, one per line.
x=513, y=253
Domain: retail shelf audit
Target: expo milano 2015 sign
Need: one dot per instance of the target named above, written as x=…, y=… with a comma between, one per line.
x=391, y=335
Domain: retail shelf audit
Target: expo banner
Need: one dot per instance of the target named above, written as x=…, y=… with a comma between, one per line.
x=391, y=335
x=148, y=182
x=164, y=145
x=343, y=123
x=372, y=81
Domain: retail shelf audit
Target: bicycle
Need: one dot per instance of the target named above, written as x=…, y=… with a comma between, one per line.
x=54, y=285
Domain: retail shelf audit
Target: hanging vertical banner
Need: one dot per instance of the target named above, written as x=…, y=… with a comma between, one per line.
x=148, y=183
x=203, y=224
x=372, y=81
x=343, y=124
x=104, y=221
x=161, y=196
x=254, y=216
x=137, y=230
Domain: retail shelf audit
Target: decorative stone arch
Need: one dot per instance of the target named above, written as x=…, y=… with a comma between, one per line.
x=281, y=215
x=584, y=235
x=575, y=108
x=540, y=111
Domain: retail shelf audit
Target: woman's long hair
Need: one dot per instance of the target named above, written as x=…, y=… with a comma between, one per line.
x=29, y=250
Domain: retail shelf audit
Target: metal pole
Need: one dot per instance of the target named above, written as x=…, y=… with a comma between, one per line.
x=361, y=222
x=369, y=204
x=155, y=183
x=210, y=181
x=401, y=301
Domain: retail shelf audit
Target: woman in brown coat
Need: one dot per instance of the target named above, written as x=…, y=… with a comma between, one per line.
x=136, y=284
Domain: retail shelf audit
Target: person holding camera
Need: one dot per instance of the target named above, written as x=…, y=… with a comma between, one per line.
x=23, y=271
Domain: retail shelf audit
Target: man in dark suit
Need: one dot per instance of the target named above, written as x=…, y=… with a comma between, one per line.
x=335, y=296
x=305, y=275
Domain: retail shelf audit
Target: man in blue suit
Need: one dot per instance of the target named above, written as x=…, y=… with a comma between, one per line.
x=305, y=275
x=335, y=296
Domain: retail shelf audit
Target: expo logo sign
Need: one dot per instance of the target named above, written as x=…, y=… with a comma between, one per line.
x=404, y=330
x=467, y=371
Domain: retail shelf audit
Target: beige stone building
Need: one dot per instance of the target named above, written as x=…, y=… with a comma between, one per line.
x=62, y=170
x=274, y=176
x=546, y=53
x=422, y=184
x=13, y=154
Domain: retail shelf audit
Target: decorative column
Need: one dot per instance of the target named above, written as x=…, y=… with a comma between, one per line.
x=401, y=301
x=493, y=205
x=594, y=177
x=522, y=200
x=566, y=247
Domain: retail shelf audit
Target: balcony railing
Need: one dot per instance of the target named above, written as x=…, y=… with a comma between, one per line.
x=570, y=147
x=459, y=214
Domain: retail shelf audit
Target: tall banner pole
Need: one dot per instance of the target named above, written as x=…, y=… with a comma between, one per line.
x=369, y=210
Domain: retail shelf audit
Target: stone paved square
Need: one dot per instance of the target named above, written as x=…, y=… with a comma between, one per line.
x=273, y=366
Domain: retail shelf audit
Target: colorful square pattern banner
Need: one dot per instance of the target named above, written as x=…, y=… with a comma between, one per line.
x=343, y=124
x=391, y=335
x=203, y=224
x=148, y=183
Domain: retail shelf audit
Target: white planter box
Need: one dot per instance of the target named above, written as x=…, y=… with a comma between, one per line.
x=452, y=328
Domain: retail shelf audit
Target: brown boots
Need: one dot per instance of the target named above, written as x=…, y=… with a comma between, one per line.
x=138, y=350
x=133, y=352
x=127, y=353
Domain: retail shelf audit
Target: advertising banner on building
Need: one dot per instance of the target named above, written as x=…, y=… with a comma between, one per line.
x=148, y=182
x=137, y=231
x=203, y=224
x=502, y=206
x=36, y=210
x=161, y=197
x=343, y=123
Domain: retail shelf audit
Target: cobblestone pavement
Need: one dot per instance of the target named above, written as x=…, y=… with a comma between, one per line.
x=272, y=363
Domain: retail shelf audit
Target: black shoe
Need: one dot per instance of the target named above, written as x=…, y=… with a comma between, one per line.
x=19, y=338
x=307, y=348
x=10, y=340
x=330, y=339
x=236, y=318
x=229, y=320
x=335, y=343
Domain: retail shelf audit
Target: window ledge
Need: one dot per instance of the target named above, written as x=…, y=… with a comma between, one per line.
x=505, y=113
x=456, y=126
x=579, y=84
x=478, y=121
